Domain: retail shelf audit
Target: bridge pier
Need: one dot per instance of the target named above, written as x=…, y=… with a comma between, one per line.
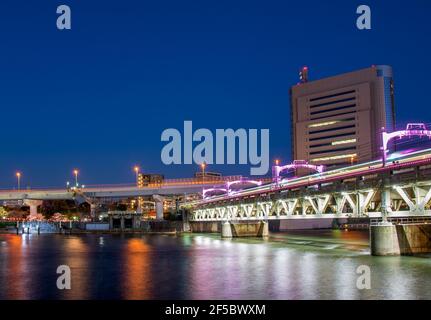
x=226, y=230
x=123, y=220
x=244, y=229
x=93, y=208
x=159, y=206
x=230, y=229
x=186, y=222
x=33, y=204
x=387, y=239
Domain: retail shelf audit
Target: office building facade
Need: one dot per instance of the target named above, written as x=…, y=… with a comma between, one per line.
x=338, y=121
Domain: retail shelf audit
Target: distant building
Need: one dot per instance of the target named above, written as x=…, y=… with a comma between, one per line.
x=145, y=180
x=338, y=120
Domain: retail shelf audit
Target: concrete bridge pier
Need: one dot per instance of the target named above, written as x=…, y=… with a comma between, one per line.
x=186, y=222
x=247, y=229
x=159, y=206
x=93, y=208
x=226, y=229
x=33, y=204
x=387, y=239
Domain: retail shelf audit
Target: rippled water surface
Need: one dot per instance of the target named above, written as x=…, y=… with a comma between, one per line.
x=295, y=265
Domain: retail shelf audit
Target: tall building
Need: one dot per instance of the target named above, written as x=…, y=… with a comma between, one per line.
x=338, y=120
x=148, y=179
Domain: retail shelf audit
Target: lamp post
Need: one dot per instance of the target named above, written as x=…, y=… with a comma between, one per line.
x=139, y=199
x=18, y=177
x=75, y=172
x=136, y=169
x=203, y=165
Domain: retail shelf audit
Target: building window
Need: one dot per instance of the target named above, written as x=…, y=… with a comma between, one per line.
x=333, y=150
x=332, y=102
x=331, y=129
x=332, y=95
x=343, y=156
x=333, y=115
x=333, y=109
x=334, y=136
x=321, y=145
x=334, y=143
x=328, y=123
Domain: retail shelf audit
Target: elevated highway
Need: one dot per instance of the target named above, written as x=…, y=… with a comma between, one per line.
x=168, y=187
x=94, y=194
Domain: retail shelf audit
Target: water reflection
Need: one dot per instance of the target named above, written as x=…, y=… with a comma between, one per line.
x=13, y=268
x=137, y=275
x=75, y=254
x=319, y=265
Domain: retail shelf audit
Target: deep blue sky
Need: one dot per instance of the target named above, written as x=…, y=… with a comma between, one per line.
x=97, y=97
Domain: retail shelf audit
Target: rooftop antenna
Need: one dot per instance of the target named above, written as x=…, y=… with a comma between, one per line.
x=303, y=74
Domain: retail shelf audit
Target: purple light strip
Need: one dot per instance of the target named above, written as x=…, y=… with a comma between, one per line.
x=420, y=131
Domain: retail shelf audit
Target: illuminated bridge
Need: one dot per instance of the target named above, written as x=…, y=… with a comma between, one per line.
x=400, y=187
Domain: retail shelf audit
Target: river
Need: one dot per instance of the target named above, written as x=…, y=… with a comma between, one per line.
x=294, y=265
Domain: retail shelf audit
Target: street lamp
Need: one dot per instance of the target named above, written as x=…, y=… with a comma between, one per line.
x=277, y=162
x=136, y=169
x=203, y=166
x=75, y=172
x=18, y=177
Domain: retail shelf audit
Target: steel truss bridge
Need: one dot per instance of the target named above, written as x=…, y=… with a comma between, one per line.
x=398, y=187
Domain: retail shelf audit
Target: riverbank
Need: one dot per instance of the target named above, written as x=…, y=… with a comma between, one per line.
x=100, y=232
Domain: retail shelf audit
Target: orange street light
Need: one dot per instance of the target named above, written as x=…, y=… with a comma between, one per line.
x=203, y=166
x=75, y=172
x=18, y=177
x=136, y=169
x=277, y=162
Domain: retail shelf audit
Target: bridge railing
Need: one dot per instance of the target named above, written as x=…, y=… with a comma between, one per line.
x=170, y=182
x=35, y=189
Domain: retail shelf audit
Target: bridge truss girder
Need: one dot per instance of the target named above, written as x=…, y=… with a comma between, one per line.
x=400, y=200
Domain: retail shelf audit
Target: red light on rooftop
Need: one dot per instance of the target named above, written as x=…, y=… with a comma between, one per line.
x=303, y=75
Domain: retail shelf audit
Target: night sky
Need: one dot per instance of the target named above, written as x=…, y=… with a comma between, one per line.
x=97, y=97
